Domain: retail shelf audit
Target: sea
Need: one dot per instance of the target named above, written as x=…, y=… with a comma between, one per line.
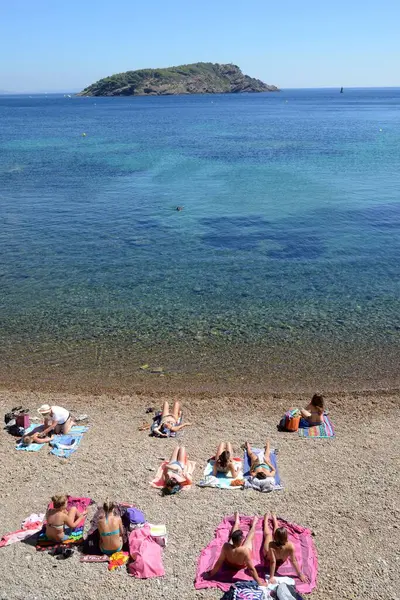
x=246, y=238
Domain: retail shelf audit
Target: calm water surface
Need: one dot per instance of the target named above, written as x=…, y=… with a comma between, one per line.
x=289, y=232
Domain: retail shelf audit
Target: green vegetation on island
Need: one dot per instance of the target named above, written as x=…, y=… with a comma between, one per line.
x=197, y=78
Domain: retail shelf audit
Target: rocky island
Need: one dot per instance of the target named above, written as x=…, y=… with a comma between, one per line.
x=197, y=78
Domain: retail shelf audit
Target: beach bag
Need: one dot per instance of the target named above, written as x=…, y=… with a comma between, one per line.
x=290, y=421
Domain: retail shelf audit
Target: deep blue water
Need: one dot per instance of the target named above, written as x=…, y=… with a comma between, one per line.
x=291, y=217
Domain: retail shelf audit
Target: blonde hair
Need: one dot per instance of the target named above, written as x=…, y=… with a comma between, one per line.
x=27, y=440
x=108, y=506
x=59, y=500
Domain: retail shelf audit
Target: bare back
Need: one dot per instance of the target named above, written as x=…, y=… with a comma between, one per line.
x=237, y=557
x=282, y=553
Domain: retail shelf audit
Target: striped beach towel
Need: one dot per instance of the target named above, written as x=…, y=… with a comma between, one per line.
x=325, y=430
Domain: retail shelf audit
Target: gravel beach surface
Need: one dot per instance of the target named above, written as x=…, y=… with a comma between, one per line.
x=346, y=490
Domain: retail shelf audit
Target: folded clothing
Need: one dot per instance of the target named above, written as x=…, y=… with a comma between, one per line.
x=325, y=430
x=75, y=536
x=255, y=483
x=63, y=445
x=221, y=480
x=300, y=536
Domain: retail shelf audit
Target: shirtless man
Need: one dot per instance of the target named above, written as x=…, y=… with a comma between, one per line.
x=237, y=554
x=260, y=469
x=277, y=549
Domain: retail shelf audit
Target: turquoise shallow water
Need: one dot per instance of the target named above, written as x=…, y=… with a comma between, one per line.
x=290, y=227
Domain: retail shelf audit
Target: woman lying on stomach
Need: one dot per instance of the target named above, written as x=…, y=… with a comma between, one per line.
x=110, y=529
x=59, y=517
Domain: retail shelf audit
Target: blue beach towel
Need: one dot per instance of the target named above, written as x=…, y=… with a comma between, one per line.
x=222, y=480
x=273, y=460
x=64, y=445
x=31, y=447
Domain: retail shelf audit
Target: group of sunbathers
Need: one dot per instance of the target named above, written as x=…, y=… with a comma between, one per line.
x=110, y=527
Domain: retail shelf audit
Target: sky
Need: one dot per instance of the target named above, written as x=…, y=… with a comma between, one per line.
x=65, y=45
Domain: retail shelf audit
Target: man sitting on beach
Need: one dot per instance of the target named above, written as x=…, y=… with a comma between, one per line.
x=236, y=554
x=56, y=417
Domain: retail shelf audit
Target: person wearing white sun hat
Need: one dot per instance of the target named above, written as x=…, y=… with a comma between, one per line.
x=57, y=416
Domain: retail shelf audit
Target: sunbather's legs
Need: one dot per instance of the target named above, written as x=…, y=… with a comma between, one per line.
x=176, y=410
x=182, y=456
x=67, y=426
x=253, y=457
x=267, y=450
x=220, y=450
x=174, y=456
x=249, y=539
x=229, y=448
x=236, y=525
x=165, y=410
x=268, y=535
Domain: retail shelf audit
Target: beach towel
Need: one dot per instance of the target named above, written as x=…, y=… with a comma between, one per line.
x=29, y=527
x=158, y=481
x=325, y=430
x=221, y=480
x=75, y=536
x=63, y=445
x=300, y=536
x=146, y=555
x=274, y=462
x=31, y=447
x=156, y=423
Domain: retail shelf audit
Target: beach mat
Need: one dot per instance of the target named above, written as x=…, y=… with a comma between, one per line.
x=75, y=536
x=300, y=536
x=273, y=458
x=325, y=430
x=31, y=447
x=75, y=432
x=221, y=480
x=158, y=481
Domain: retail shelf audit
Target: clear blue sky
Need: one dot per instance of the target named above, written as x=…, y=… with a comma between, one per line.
x=68, y=44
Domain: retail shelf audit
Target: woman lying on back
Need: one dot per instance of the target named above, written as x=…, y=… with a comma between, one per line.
x=110, y=529
x=59, y=517
x=175, y=473
x=170, y=420
x=224, y=461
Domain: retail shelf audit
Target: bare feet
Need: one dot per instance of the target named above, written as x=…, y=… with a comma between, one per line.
x=236, y=517
x=274, y=521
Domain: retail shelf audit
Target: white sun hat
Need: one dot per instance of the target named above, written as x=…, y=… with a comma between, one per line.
x=44, y=409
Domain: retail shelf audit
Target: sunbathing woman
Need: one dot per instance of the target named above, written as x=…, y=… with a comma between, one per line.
x=175, y=473
x=260, y=469
x=224, y=460
x=59, y=517
x=236, y=553
x=110, y=529
x=277, y=549
x=313, y=414
x=39, y=435
x=170, y=420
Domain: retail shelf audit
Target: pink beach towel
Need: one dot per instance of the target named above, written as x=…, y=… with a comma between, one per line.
x=29, y=527
x=298, y=535
x=158, y=481
x=146, y=555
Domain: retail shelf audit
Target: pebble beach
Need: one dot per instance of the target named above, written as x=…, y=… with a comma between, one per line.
x=344, y=489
